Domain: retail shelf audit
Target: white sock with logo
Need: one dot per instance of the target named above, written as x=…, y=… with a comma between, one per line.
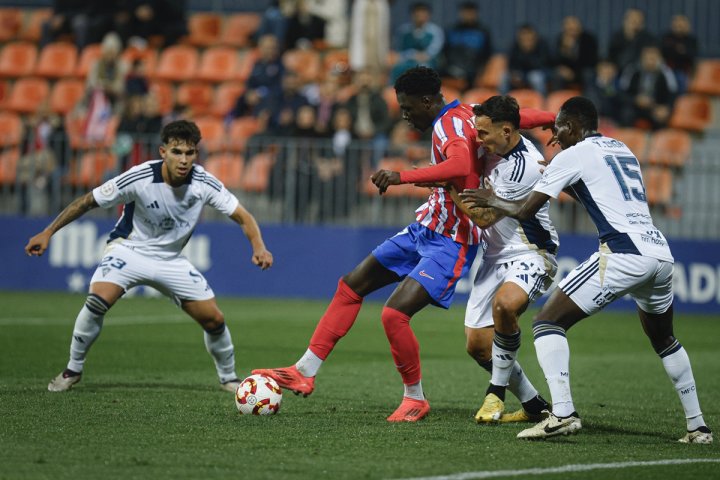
x=88, y=325
x=677, y=366
x=220, y=347
x=553, y=354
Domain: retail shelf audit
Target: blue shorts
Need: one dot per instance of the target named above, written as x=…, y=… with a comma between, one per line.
x=435, y=261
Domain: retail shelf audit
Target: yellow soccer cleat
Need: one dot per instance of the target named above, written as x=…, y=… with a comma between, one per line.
x=491, y=410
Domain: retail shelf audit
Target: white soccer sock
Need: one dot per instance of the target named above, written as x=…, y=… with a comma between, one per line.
x=309, y=364
x=504, y=351
x=677, y=365
x=88, y=325
x=414, y=391
x=520, y=385
x=553, y=354
x=219, y=345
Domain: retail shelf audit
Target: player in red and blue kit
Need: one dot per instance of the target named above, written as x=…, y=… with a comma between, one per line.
x=427, y=257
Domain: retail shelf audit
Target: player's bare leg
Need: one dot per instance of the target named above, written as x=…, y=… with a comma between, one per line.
x=368, y=276
x=658, y=328
x=218, y=341
x=88, y=324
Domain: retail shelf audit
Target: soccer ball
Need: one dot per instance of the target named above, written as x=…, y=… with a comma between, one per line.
x=258, y=395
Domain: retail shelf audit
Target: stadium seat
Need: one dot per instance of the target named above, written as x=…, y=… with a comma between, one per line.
x=57, y=60
x=4, y=91
x=691, y=112
x=65, y=94
x=227, y=167
x=165, y=95
x=669, y=147
x=32, y=31
x=636, y=140
x=306, y=63
x=92, y=168
x=149, y=58
x=256, y=177
x=213, y=133
x=658, y=185
x=241, y=129
x=239, y=28
x=204, y=28
x=197, y=95
x=177, y=63
x=707, y=78
x=218, y=64
x=11, y=128
x=10, y=23
x=75, y=127
x=18, y=59
x=528, y=98
x=494, y=71
x=336, y=62
x=450, y=93
x=388, y=94
x=247, y=61
x=479, y=95
x=27, y=94
x=88, y=57
x=8, y=165
x=555, y=99
x=226, y=94
x=397, y=164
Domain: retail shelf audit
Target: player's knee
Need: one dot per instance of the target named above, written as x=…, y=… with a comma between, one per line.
x=478, y=350
x=505, y=311
x=214, y=321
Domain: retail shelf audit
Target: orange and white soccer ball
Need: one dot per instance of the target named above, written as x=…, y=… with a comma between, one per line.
x=258, y=395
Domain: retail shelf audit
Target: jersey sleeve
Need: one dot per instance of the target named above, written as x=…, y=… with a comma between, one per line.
x=563, y=171
x=217, y=196
x=121, y=189
x=518, y=179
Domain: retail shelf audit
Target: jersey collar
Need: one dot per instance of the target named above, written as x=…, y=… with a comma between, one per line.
x=157, y=173
x=520, y=147
x=447, y=107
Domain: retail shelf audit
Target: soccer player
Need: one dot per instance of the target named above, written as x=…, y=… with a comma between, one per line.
x=162, y=201
x=427, y=257
x=634, y=258
x=518, y=264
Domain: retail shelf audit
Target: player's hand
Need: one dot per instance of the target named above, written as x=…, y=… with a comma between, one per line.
x=263, y=259
x=38, y=244
x=477, y=197
x=384, y=178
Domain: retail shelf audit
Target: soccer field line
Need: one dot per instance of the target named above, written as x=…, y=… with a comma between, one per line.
x=565, y=469
x=109, y=322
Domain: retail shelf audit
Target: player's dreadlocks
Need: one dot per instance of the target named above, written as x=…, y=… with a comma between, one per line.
x=582, y=109
x=418, y=81
x=181, y=130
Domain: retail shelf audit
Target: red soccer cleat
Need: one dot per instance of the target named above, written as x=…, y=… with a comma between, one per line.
x=410, y=410
x=289, y=378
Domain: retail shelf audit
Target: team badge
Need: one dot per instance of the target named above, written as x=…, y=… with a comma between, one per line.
x=105, y=271
x=107, y=189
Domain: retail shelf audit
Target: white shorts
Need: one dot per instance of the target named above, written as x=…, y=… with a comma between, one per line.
x=176, y=277
x=605, y=277
x=533, y=273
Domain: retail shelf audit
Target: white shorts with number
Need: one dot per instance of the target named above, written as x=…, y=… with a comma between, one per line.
x=533, y=273
x=177, y=277
x=605, y=277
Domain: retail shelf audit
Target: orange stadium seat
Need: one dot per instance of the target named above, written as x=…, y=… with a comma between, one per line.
x=149, y=58
x=8, y=165
x=494, y=71
x=226, y=94
x=11, y=128
x=450, y=93
x=227, y=167
x=218, y=64
x=165, y=95
x=92, y=168
x=256, y=177
x=33, y=25
x=658, y=185
x=479, y=95
x=691, y=112
x=27, y=94
x=241, y=129
x=88, y=57
x=10, y=23
x=213, y=133
x=205, y=29
x=65, y=94
x=707, y=78
x=75, y=127
x=177, y=63
x=57, y=60
x=388, y=94
x=198, y=95
x=247, y=62
x=306, y=63
x=555, y=99
x=528, y=98
x=337, y=61
x=18, y=59
x=636, y=140
x=397, y=164
x=670, y=147
x=4, y=91
x=239, y=28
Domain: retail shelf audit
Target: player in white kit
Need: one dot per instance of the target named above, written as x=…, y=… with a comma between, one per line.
x=162, y=201
x=634, y=258
x=518, y=264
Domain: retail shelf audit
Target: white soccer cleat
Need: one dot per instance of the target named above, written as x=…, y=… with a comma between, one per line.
x=231, y=385
x=64, y=381
x=696, y=436
x=552, y=426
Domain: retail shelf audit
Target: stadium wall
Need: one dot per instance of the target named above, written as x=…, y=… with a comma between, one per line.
x=308, y=261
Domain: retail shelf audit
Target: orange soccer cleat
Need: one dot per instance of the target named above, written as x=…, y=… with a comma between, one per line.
x=289, y=378
x=410, y=410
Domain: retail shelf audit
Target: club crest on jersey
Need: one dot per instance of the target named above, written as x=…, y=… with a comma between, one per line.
x=105, y=271
x=107, y=189
x=167, y=223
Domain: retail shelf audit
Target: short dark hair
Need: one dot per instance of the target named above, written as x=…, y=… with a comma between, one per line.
x=420, y=6
x=418, y=81
x=583, y=110
x=468, y=6
x=182, y=130
x=500, y=108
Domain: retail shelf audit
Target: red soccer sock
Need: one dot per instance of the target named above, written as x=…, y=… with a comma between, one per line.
x=403, y=345
x=337, y=320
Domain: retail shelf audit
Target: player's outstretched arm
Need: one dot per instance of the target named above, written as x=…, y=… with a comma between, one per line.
x=483, y=217
x=520, y=209
x=261, y=255
x=39, y=243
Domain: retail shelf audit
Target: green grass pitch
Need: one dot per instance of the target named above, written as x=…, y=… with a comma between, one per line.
x=149, y=405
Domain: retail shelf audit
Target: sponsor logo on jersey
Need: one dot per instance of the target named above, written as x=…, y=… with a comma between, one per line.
x=423, y=274
x=153, y=204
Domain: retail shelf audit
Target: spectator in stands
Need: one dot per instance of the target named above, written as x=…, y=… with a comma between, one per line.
x=652, y=87
x=627, y=43
x=284, y=108
x=468, y=46
x=326, y=103
x=680, y=48
x=304, y=29
x=136, y=82
x=604, y=90
x=575, y=56
x=145, y=19
x=334, y=12
x=273, y=22
x=419, y=42
x=369, y=35
x=69, y=18
x=371, y=120
x=528, y=62
x=136, y=140
x=107, y=75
